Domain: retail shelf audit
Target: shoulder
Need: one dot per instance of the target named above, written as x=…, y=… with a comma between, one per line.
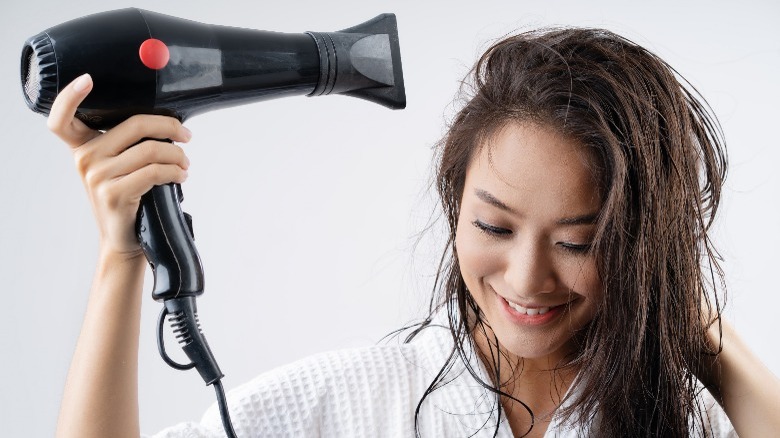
x=337, y=375
x=370, y=366
x=350, y=392
x=709, y=420
x=369, y=391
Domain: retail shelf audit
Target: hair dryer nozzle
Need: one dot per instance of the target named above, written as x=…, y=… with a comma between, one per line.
x=362, y=61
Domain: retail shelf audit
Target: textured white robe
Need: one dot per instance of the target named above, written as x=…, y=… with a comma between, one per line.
x=373, y=392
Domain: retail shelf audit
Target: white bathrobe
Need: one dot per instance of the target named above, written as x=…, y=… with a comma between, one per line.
x=374, y=392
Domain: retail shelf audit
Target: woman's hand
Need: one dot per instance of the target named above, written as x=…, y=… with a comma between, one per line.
x=114, y=174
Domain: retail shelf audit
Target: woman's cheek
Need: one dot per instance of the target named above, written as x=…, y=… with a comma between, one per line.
x=477, y=259
x=583, y=279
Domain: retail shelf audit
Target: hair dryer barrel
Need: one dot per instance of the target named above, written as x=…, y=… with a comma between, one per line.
x=150, y=63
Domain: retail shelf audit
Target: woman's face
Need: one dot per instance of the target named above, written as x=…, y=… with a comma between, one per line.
x=527, y=219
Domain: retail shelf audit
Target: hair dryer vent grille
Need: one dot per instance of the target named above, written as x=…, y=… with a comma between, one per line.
x=39, y=70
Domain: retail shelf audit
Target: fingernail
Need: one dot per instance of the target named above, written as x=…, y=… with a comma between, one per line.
x=82, y=82
x=187, y=133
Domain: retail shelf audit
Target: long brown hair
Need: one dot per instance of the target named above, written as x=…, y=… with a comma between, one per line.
x=661, y=163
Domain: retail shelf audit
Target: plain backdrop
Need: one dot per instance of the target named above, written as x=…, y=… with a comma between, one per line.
x=307, y=210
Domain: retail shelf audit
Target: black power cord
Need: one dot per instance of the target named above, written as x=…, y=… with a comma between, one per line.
x=186, y=327
x=223, y=410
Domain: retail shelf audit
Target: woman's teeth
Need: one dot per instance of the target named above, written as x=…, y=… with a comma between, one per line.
x=531, y=312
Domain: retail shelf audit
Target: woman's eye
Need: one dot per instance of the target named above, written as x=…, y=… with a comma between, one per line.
x=576, y=248
x=490, y=229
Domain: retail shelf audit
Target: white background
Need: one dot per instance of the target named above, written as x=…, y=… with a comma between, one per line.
x=306, y=210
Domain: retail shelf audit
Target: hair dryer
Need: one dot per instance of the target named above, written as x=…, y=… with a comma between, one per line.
x=143, y=62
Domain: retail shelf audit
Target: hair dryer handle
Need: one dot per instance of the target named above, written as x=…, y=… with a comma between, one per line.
x=165, y=234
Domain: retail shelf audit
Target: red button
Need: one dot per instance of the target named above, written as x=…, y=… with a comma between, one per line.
x=154, y=54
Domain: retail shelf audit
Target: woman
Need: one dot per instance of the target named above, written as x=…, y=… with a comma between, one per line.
x=579, y=182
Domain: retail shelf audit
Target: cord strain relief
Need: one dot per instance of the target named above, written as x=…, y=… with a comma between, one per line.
x=183, y=316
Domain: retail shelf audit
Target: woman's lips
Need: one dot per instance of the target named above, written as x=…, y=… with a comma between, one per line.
x=532, y=315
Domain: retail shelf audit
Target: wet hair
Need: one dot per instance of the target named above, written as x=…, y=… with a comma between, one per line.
x=659, y=160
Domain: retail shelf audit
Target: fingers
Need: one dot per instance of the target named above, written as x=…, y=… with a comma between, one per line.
x=138, y=127
x=62, y=121
x=135, y=184
x=117, y=141
x=135, y=158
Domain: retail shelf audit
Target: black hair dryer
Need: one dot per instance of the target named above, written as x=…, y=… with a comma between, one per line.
x=143, y=62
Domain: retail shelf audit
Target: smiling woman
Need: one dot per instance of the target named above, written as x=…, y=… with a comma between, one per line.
x=579, y=183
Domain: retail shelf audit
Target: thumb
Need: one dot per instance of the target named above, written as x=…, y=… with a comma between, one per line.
x=62, y=121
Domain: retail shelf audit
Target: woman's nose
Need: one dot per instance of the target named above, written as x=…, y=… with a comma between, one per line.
x=529, y=270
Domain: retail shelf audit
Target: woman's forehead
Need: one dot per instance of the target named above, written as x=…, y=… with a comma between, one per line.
x=527, y=163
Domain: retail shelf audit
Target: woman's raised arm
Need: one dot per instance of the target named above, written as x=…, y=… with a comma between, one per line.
x=101, y=392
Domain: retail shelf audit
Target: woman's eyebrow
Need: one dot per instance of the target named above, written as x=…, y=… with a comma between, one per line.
x=492, y=200
x=584, y=219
